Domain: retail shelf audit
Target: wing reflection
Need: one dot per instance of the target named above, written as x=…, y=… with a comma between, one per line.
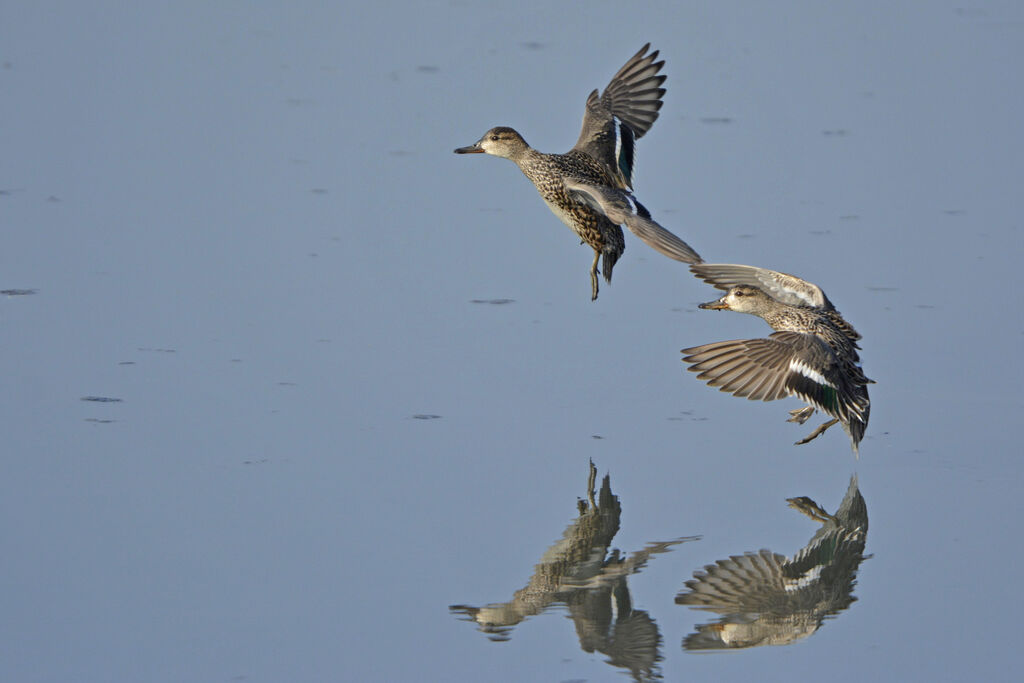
x=580, y=573
x=768, y=599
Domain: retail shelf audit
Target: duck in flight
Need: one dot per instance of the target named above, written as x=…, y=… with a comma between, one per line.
x=589, y=187
x=811, y=355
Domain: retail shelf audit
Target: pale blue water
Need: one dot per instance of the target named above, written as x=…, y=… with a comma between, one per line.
x=245, y=224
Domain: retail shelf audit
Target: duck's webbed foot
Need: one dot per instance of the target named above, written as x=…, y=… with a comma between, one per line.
x=801, y=415
x=817, y=432
x=593, y=276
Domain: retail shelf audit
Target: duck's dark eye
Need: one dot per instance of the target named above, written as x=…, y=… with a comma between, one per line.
x=494, y=137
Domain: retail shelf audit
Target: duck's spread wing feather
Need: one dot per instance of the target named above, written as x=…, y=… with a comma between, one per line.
x=621, y=208
x=782, y=287
x=614, y=120
x=634, y=93
x=750, y=582
x=784, y=364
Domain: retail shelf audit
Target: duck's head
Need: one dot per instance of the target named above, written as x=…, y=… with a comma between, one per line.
x=742, y=299
x=501, y=142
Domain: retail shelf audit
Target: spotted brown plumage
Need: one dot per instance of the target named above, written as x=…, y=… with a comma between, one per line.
x=575, y=185
x=812, y=355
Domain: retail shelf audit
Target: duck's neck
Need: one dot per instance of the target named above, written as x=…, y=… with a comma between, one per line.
x=778, y=320
x=525, y=156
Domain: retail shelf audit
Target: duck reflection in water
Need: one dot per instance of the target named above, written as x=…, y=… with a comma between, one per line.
x=581, y=573
x=768, y=599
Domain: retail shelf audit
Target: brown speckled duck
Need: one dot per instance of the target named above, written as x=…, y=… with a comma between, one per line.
x=588, y=187
x=812, y=355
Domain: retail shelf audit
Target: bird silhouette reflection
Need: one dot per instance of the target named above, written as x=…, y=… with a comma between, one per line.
x=767, y=599
x=583, y=574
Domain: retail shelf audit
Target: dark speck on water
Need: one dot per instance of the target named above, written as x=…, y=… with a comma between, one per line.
x=533, y=45
x=720, y=120
x=425, y=416
x=17, y=292
x=686, y=415
x=836, y=133
x=427, y=69
x=101, y=399
x=492, y=302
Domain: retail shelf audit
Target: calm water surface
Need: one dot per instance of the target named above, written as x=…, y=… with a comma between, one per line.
x=293, y=393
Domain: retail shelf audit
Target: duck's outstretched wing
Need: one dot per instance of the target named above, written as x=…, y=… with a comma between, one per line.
x=615, y=120
x=784, y=364
x=754, y=582
x=782, y=287
x=621, y=208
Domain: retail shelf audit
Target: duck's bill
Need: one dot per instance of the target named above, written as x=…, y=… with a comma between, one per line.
x=716, y=305
x=472, y=149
